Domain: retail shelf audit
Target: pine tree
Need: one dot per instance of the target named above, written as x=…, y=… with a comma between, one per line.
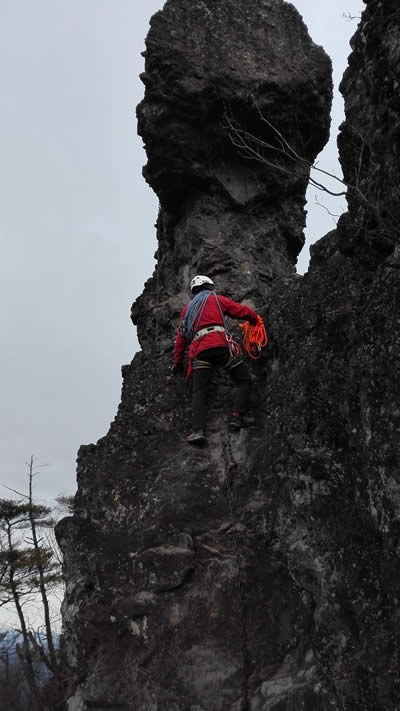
x=29, y=572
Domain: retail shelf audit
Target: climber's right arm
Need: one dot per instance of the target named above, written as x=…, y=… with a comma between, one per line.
x=236, y=310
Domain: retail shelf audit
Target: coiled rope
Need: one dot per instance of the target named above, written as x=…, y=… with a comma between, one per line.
x=254, y=337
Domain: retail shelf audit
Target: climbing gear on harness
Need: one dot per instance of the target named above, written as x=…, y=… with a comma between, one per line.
x=201, y=364
x=208, y=329
x=197, y=437
x=230, y=364
x=233, y=362
x=199, y=280
x=254, y=338
x=234, y=346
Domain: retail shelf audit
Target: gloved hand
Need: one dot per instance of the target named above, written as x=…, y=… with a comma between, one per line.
x=177, y=368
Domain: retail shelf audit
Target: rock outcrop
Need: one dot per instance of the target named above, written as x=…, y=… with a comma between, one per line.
x=261, y=572
x=370, y=137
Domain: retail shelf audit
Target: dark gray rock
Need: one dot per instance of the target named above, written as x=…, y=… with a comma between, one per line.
x=262, y=572
x=370, y=137
x=221, y=214
x=206, y=59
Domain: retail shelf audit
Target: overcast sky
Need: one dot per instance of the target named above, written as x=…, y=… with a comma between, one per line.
x=77, y=219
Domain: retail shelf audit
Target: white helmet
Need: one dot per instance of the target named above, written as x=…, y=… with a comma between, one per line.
x=199, y=280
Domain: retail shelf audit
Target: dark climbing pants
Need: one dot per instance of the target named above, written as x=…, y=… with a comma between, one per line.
x=202, y=371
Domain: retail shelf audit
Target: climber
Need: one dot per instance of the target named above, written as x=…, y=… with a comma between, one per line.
x=202, y=326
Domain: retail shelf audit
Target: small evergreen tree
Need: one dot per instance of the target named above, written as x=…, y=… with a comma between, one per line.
x=29, y=573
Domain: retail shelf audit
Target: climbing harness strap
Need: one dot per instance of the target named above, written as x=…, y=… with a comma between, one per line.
x=234, y=348
x=231, y=363
x=208, y=329
x=201, y=364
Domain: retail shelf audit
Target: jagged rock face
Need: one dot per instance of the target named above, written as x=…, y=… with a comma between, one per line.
x=209, y=63
x=370, y=137
x=261, y=572
x=207, y=60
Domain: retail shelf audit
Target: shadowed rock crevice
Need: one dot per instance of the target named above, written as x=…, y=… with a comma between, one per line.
x=259, y=573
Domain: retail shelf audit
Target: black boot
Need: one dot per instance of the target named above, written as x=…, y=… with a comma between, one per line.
x=235, y=422
x=197, y=437
x=238, y=421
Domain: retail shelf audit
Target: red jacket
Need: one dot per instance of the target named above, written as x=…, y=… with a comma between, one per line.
x=212, y=316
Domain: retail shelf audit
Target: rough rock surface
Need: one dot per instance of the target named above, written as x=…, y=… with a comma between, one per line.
x=370, y=138
x=260, y=573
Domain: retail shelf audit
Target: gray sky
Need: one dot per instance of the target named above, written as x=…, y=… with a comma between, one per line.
x=77, y=219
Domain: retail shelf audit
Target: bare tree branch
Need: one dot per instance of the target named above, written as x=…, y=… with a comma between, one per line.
x=252, y=147
x=24, y=496
x=331, y=214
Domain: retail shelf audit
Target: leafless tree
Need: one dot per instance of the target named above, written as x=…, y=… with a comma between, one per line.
x=278, y=154
x=30, y=573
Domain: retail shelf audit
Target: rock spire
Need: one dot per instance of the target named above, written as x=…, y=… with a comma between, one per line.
x=260, y=573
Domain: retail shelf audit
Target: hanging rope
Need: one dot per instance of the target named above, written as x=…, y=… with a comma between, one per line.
x=254, y=337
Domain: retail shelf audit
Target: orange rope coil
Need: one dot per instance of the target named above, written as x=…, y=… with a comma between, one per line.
x=254, y=337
